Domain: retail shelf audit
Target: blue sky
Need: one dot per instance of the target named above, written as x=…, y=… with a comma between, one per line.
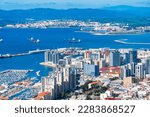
x=65, y=4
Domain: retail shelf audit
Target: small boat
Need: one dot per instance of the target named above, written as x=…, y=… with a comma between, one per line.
x=34, y=40
x=73, y=40
x=37, y=41
x=38, y=73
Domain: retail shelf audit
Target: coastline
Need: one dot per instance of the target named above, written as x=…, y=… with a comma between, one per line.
x=99, y=34
x=80, y=31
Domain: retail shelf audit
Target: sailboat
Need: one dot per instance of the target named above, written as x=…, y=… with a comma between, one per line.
x=38, y=73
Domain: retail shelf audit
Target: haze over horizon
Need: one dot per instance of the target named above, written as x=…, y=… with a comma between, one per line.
x=66, y=4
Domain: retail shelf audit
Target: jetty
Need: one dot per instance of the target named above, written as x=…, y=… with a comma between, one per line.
x=23, y=54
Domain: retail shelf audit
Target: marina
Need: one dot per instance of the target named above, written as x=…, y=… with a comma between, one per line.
x=15, y=83
x=9, y=77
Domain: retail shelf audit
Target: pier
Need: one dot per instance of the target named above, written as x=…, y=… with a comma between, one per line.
x=48, y=64
x=23, y=54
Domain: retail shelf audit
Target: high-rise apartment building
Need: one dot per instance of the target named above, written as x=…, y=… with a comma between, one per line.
x=114, y=59
x=53, y=56
x=91, y=70
x=133, y=56
x=140, y=71
x=49, y=84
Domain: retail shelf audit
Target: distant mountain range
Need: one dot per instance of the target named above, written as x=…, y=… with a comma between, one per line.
x=123, y=14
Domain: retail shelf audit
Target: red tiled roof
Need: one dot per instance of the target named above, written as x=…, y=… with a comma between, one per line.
x=96, y=82
x=109, y=68
x=43, y=94
x=112, y=99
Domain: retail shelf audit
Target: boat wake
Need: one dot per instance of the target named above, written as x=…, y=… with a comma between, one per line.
x=1, y=40
x=123, y=41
